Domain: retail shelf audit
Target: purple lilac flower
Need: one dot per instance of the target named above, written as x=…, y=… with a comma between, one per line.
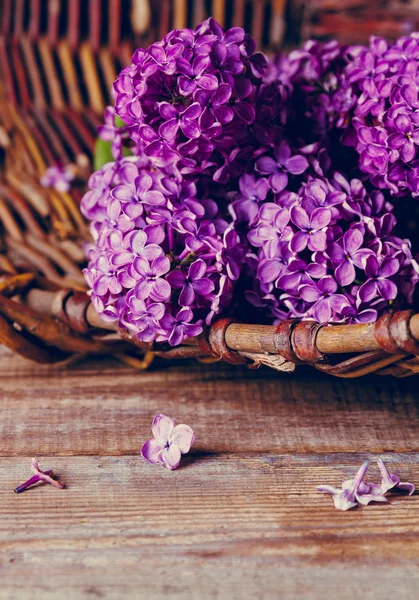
x=192, y=283
x=169, y=442
x=346, y=498
x=279, y=167
x=252, y=192
x=180, y=326
x=323, y=298
x=348, y=254
x=58, y=177
x=312, y=228
x=378, y=282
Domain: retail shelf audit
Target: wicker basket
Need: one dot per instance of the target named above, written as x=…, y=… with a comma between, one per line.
x=56, y=69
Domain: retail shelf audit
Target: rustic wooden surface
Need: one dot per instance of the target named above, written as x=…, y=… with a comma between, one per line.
x=240, y=519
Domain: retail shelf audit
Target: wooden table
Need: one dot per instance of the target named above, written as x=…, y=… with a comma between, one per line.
x=241, y=518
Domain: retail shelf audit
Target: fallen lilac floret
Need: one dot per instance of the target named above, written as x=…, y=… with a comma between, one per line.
x=169, y=443
x=357, y=491
x=38, y=475
x=346, y=498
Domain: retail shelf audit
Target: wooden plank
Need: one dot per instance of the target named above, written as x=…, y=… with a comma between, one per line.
x=223, y=526
x=103, y=407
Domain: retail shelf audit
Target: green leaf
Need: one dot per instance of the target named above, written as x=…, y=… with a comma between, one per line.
x=102, y=154
x=119, y=122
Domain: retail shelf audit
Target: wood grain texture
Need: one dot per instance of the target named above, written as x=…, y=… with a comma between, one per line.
x=237, y=526
x=105, y=408
x=240, y=519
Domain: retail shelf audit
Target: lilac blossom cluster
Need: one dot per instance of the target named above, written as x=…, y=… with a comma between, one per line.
x=381, y=85
x=187, y=97
x=322, y=236
x=251, y=176
x=327, y=252
x=163, y=263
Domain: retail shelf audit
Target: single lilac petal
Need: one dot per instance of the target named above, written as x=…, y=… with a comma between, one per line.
x=402, y=124
x=193, y=111
x=222, y=94
x=365, y=499
x=183, y=437
x=371, y=266
x=269, y=270
x=169, y=129
x=320, y=218
x=197, y=269
x=266, y=165
x=408, y=151
x=368, y=291
x=317, y=241
x=138, y=241
x=156, y=310
x=162, y=428
x=406, y=487
x=410, y=94
x=245, y=111
x=336, y=253
x=152, y=451
x=234, y=35
x=160, y=266
x=299, y=241
x=122, y=192
x=345, y=273
x=203, y=286
x=171, y=457
x=327, y=489
x=300, y=218
x=190, y=128
x=322, y=311
x=176, y=279
x=309, y=293
x=388, y=289
x=187, y=295
x=327, y=285
x=154, y=197
x=352, y=240
x=208, y=82
x=388, y=267
x=160, y=290
x=297, y=164
x=278, y=181
x=167, y=111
